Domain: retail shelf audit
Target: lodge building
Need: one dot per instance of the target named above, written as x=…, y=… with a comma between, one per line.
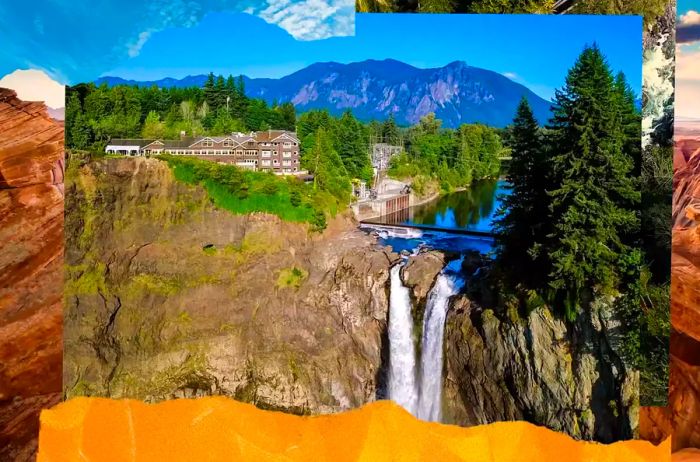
x=272, y=150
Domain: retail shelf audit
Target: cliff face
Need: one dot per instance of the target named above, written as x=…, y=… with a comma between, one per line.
x=167, y=296
x=537, y=369
x=31, y=256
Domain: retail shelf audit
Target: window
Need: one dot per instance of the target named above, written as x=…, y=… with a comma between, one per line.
x=287, y=144
x=266, y=153
x=227, y=143
x=287, y=162
x=287, y=155
x=207, y=143
x=266, y=163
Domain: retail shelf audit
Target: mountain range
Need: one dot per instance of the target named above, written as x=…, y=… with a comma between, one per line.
x=457, y=93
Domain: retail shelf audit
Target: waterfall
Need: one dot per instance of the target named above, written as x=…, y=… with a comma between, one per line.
x=422, y=399
x=402, y=351
x=430, y=401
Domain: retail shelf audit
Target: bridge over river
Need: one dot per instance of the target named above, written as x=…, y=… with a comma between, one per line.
x=410, y=230
x=458, y=221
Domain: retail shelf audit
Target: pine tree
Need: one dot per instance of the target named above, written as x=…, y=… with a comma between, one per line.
x=390, y=132
x=329, y=172
x=521, y=230
x=350, y=143
x=210, y=91
x=78, y=133
x=592, y=186
x=231, y=92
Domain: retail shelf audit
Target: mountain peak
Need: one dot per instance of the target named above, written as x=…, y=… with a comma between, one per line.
x=374, y=89
x=458, y=64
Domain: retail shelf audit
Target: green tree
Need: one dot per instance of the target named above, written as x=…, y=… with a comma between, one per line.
x=288, y=116
x=351, y=144
x=329, y=172
x=78, y=133
x=592, y=187
x=390, y=132
x=210, y=90
x=522, y=228
x=153, y=128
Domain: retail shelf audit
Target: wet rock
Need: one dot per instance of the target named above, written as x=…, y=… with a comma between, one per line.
x=420, y=272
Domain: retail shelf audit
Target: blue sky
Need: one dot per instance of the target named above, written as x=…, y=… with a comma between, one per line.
x=77, y=40
x=534, y=50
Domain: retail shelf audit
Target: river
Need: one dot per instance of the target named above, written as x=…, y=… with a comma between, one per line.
x=472, y=209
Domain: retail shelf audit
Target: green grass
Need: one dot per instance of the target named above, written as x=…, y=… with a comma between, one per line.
x=244, y=192
x=292, y=277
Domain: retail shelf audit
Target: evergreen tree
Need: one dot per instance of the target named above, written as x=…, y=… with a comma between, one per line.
x=351, y=144
x=521, y=230
x=78, y=134
x=210, y=90
x=329, y=172
x=288, y=116
x=592, y=186
x=220, y=93
x=630, y=120
x=390, y=132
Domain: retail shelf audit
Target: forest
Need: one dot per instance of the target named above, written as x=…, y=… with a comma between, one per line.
x=334, y=149
x=452, y=158
x=650, y=9
x=579, y=186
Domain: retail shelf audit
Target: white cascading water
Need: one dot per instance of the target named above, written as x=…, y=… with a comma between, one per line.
x=402, y=350
x=422, y=397
x=430, y=396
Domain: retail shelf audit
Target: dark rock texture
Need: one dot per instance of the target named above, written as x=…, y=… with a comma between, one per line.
x=536, y=368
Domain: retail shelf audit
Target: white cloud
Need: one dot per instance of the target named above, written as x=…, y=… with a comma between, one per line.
x=690, y=18
x=310, y=19
x=134, y=49
x=35, y=85
x=511, y=75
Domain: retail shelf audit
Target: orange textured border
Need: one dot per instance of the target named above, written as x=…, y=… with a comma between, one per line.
x=220, y=429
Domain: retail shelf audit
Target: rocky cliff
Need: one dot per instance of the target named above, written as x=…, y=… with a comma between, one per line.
x=31, y=256
x=536, y=368
x=167, y=296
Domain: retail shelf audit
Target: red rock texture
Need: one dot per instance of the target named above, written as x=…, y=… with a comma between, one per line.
x=31, y=271
x=683, y=410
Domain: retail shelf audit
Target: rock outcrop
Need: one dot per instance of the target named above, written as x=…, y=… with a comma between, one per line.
x=536, y=368
x=31, y=277
x=167, y=296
